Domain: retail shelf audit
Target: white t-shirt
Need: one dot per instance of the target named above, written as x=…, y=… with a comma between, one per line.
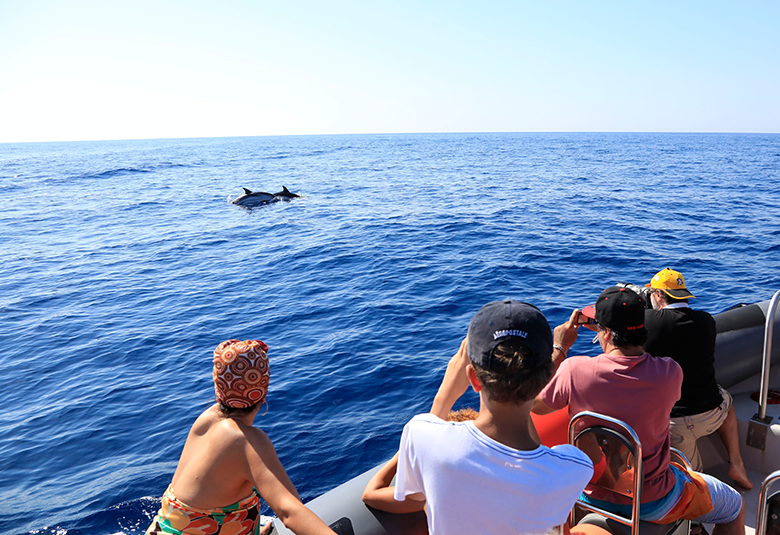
x=475, y=485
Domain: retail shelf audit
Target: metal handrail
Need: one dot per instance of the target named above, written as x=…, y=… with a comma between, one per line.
x=763, y=395
x=677, y=455
x=762, y=501
x=638, y=468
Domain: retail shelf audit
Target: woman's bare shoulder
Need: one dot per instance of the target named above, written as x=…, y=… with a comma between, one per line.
x=206, y=420
x=236, y=434
x=224, y=434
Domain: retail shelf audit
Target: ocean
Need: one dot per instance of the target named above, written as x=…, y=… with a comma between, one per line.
x=123, y=266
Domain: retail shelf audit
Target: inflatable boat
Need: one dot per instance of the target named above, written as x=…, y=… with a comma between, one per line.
x=740, y=357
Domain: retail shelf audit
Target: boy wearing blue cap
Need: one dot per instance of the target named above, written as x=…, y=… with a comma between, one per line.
x=490, y=475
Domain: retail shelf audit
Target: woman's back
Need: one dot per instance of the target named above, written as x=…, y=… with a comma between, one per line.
x=213, y=468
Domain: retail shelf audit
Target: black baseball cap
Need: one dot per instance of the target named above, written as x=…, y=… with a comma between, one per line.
x=619, y=309
x=500, y=321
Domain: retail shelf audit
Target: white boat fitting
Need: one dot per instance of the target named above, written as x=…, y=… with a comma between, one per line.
x=744, y=362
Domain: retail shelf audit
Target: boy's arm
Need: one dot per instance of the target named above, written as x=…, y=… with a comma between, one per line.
x=454, y=384
x=379, y=493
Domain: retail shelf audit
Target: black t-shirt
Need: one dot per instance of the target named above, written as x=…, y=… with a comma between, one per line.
x=688, y=336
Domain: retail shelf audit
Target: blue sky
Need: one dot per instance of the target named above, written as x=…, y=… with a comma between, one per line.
x=88, y=70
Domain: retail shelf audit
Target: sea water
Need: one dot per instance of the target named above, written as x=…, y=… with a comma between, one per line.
x=123, y=266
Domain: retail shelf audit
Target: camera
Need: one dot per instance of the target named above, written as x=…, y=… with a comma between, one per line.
x=582, y=319
x=642, y=291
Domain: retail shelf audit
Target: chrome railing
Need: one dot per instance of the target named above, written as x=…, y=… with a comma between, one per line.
x=763, y=395
x=759, y=424
x=599, y=420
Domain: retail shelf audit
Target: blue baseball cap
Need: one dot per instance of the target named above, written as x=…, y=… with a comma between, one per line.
x=500, y=321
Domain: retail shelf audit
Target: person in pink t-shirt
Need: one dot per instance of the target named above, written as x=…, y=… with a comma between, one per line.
x=628, y=384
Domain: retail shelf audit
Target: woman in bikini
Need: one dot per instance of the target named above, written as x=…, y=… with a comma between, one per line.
x=228, y=461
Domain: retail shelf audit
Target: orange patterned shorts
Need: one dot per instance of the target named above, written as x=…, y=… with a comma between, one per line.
x=177, y=518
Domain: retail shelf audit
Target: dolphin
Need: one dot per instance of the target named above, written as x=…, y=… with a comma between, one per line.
x=250, y=198
x=253, y=198
x=286, y=194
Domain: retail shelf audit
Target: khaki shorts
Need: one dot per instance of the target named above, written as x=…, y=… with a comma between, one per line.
x=687, y=429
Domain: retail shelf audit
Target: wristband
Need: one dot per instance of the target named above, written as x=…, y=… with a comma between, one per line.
x=559, y=347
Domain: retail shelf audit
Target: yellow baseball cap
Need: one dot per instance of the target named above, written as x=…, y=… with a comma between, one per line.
x=672, y=283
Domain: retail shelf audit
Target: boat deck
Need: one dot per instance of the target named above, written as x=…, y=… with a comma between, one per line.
x=759, y=463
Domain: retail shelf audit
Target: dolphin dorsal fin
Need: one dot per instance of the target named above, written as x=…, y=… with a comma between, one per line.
x=247, y=191
x=285, y=190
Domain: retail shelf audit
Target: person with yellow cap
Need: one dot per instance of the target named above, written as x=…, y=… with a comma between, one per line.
x=688, y=336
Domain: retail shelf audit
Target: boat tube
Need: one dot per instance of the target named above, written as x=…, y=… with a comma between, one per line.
x=739, y=355
x=739, y=349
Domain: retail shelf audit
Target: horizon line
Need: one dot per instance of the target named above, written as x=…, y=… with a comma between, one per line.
x=391, y=134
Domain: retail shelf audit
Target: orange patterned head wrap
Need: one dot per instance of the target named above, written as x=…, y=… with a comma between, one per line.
x=241, y=373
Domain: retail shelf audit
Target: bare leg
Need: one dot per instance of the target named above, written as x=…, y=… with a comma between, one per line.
x=729, y=434
x=735, y=527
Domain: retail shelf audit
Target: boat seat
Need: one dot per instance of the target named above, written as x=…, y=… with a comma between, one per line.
x=645, y=528
x=616, y=453
x=769, y=506
x=588, y=529
x=773, y=515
